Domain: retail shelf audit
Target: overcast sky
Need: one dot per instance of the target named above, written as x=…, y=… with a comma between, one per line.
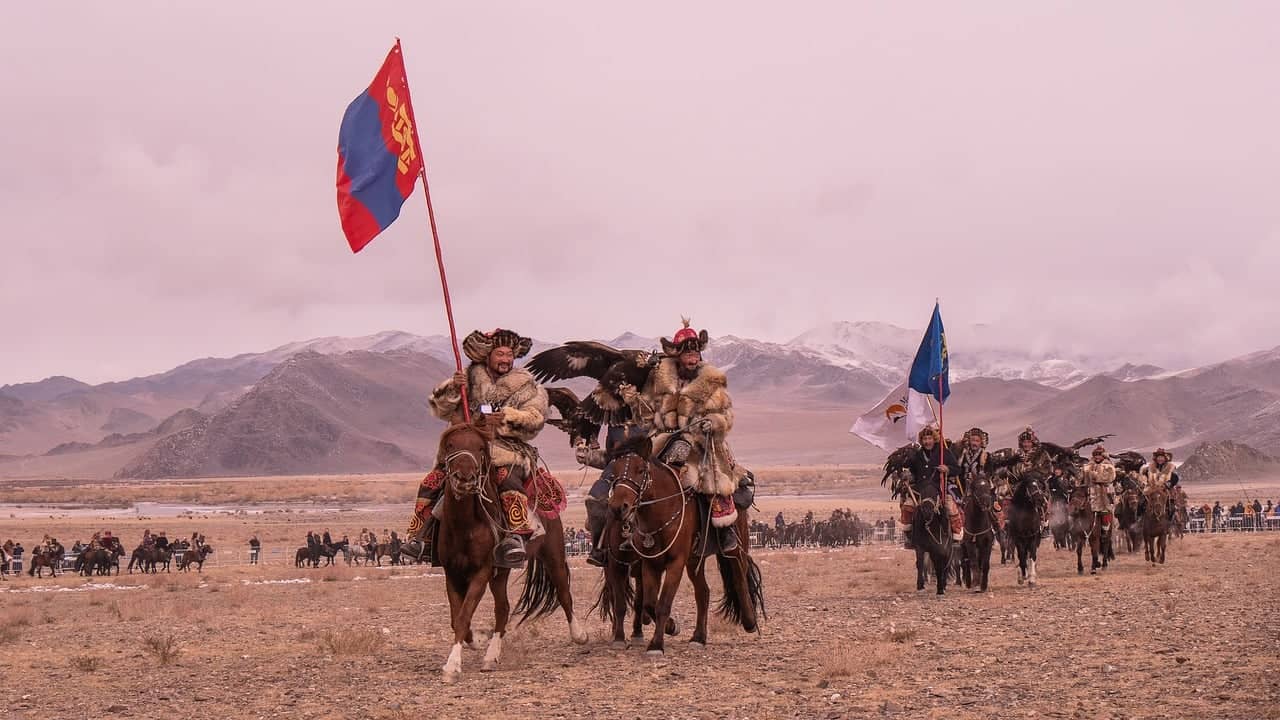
x=1100, y=174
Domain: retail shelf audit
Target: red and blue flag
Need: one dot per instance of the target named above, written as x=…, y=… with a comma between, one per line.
x=378, y=155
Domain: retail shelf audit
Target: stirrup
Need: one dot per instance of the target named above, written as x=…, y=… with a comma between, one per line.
x=510, y=553
x=597, y=557
x=728, y=540
x=414, y=548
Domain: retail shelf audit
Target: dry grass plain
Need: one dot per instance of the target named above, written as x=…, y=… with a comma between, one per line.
x=847, y=636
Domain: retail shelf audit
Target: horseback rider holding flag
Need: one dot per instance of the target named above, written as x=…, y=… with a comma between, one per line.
x=512, y=402
x=930, y=467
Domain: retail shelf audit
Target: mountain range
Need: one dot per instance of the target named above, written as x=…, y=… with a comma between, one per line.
x=349, y=405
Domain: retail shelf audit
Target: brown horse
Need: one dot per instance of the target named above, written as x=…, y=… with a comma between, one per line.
x=467, y=536
x=1127, y=519
x=1086, y=529
x=1155, y=525
x=194, y=557
x=649, y=507
x=51, y=558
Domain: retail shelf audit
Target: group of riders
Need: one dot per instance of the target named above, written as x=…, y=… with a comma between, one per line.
x=683, y=407
x=1096, y=478
x=371, y=546
x=103, y=551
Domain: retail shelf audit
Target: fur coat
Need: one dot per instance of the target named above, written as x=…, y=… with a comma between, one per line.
x=516, y=398
x=1099, y=478
x=670, y=403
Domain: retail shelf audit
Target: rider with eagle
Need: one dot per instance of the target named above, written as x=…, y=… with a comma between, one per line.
x=677, y=399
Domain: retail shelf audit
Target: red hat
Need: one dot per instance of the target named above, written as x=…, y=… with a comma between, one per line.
x=686, y=338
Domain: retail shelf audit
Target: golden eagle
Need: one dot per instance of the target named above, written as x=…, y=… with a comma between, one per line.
x=572, y=420
x=612, y=368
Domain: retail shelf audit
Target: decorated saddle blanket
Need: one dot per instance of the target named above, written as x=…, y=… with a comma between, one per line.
x=546, y=494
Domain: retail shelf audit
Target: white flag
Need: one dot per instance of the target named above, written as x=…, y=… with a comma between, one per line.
x=896, y=420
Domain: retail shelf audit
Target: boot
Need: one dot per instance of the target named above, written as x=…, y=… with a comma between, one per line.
x=597, y=557
x=510, y=553
x=516, y=525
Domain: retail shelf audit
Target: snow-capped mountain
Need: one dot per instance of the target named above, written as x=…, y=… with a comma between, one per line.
x=886, y=351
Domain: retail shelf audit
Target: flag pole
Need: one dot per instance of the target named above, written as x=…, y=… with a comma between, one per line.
x=942, y=438
x=435, y=237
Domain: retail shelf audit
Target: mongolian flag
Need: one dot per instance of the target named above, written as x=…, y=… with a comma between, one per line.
x=378, y=155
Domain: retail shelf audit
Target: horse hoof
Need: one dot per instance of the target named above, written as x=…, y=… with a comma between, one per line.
x=451, y=677
x=673, y=628
x=619, y=645
x=654, y=653
x=1093, y=572
x=1021, y=580
x=488, y=666
x=697, y=645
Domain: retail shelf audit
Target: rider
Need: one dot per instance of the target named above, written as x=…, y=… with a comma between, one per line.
x=515, y=404
x=687, y=402
x=623, y=427
x=926, y=465
x=778, y=522
x=975, y=461
x=1032, y=457
x=1099, y=476
x=1157, y=474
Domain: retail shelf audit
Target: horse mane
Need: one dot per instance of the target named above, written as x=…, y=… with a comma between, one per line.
x=477, y=427
x=642, y=446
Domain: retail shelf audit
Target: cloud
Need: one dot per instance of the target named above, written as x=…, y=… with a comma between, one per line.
x=1073, y=176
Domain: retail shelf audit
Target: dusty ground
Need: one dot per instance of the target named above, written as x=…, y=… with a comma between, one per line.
x=847, y=636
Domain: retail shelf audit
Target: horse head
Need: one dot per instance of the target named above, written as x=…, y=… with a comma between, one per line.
x=464, y=449
x=982, y=494
x=629, y=480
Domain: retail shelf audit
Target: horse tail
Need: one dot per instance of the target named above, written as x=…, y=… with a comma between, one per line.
x=604, y=600
x=540, y=596
x=733, y=605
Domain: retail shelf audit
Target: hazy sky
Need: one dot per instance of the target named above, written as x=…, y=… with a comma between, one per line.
x=1081, y=174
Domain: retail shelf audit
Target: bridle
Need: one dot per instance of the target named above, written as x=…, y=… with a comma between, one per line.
x=985, y=505
x=638, y=487
x=470, y=483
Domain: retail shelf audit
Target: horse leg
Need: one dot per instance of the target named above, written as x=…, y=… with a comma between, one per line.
x=1022, y=562
x=1031, y=562
x=462, y=625
x=640, y=615
x=942, y=569
x=919, y=569
x=1079, y=556
x=670, y=579
x=984, y=562
x=702, y=600
x=501, y=613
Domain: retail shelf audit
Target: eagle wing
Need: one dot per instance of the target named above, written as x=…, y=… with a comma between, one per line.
x=1129, y=461
x=576, y=358
x=1002, y=458
x=899, y=459
x=1086, y=442
x=573, y=420
x=1060, y=455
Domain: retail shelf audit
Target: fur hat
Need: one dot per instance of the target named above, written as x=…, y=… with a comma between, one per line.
x=1161, y=451
x=478, y=345
x=1028, y=434
x=927, y=430
x=980, y=433
x=685, y=339
x=1100, y=450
